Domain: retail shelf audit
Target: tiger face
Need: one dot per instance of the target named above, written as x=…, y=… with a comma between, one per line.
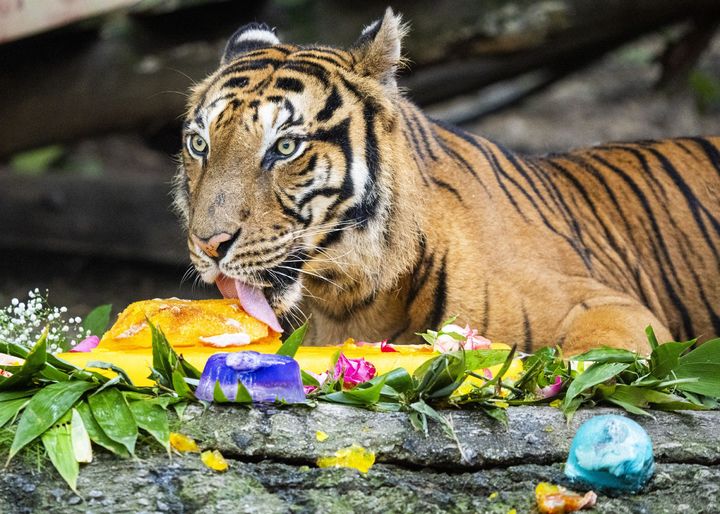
x=280, y=158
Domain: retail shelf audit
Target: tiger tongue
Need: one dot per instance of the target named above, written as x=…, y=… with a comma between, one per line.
x=252, y=299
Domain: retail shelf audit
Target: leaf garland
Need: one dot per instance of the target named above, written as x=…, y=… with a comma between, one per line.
x=66, y=407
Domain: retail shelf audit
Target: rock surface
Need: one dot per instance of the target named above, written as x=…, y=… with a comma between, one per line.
x=272, y=453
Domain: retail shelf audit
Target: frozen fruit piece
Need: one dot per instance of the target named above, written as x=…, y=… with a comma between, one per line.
x=354, y=456
x=267, y=377
x=553, y=499
x=185, y=324
x=611, y=453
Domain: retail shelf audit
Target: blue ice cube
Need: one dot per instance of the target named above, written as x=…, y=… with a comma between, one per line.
x=611, y=453
x=267, y=377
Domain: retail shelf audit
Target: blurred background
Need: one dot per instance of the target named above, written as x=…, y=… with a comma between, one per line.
x=93, y=90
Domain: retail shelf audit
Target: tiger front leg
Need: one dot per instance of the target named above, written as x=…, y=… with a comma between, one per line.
x=615, y=321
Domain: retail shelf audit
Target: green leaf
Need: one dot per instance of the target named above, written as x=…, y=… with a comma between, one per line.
x=363, y=394
x=425, y=411
x=606, y=354
x=166, y=360
x=242, y=395
x=96, y=433
x=481, y=359
x=162, y=353
x=308, y=379
x=12, y=395
x=497, y=414
x=665, y=357
x=188, y=369
x=596, y=374
x=641, y=397
x=58, y=443
x=44, y=409
x=153, y=419
x=702, y=363
x=34, y=363
x=399, y=379
x=651, y=337
x=112, y=413
x=10, y=408
x=112, y=367
x=440, y=376
x=82, y=449
x=98, y=320
x=219, y=394
x=180, y=386
x=293, y=342
x=632, y=409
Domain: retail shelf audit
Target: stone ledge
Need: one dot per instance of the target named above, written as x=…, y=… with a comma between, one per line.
x=535, y=435
x=272, y=450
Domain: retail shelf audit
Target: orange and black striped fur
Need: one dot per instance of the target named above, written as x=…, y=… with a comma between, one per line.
x=346, y=202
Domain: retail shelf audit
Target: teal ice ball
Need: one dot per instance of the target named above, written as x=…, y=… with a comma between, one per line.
x=611, y=453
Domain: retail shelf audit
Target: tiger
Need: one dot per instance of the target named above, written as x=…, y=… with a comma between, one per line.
x=310, y=186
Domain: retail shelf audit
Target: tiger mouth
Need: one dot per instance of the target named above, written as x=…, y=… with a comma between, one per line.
x=265, y=296
x=253, y=299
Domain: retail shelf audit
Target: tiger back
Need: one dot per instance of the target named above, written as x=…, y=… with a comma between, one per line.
x=311, y=186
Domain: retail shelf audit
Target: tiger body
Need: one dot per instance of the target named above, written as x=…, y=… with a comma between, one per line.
x=383, y=223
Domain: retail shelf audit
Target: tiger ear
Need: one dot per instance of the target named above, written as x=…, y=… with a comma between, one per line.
x=378, y=49
x=252, y=36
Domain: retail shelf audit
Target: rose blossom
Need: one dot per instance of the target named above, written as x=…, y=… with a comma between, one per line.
x=472, y=340
x=353, y=371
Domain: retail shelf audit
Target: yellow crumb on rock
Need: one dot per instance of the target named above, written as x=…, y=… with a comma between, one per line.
x=183, y=443
x=354, y=456
x=214, y=460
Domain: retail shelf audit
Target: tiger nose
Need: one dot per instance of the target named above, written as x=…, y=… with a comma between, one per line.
x=216, y=246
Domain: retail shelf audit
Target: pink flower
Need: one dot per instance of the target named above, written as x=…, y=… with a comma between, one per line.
x=86, y=344
x=550, y=390
x=445, y=342
x=321, y=378
x=387, y=347
x=353, y=371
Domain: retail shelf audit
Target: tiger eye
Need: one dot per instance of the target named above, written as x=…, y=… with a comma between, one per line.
x=198, y=145
x=286, y=146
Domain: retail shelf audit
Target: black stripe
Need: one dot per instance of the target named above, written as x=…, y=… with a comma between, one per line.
x=309, y=68
x=437, y=315
x=459, y=159
x=236, y=82
x=447, y=187
x=333, y=103
x=609, y=238
x=252, y=64
x=420, y=272
x=289, y=84
x=367, y=207
x=565, y=212
x=711, y=151
x=318, y=54
x=290, y=212
x=647, y=209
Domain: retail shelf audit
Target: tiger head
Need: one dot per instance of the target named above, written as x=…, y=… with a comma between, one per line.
x=286, y=159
